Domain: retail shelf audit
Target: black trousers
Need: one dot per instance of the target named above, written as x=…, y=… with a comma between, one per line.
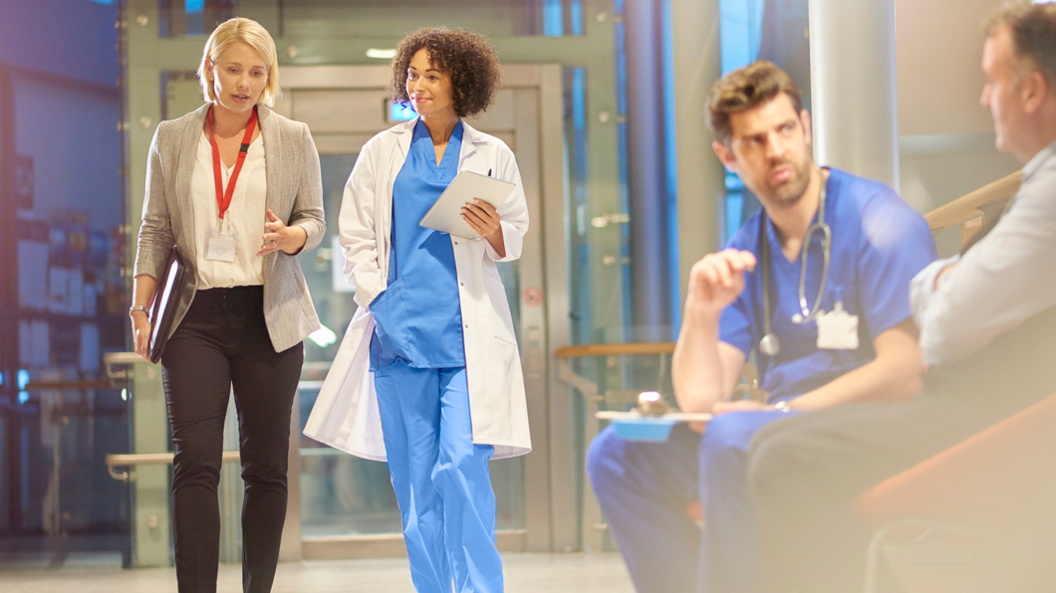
x=805, y=472
x=223, y=343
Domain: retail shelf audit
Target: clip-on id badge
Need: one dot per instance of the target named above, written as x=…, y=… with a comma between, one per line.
x=837, y=329
x=221, y=243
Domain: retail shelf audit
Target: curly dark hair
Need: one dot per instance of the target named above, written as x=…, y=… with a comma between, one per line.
x=466, y=57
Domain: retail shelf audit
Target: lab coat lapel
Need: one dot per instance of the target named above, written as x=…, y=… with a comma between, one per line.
x=383, y=202
x=404, y=135
x=470, y=157
x=400, y=150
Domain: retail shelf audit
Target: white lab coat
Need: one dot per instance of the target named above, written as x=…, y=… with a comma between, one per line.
x=345, y=415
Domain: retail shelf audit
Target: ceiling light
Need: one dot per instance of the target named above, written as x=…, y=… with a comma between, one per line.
x=381, y=54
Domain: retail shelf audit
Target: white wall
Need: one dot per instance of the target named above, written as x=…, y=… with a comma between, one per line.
x=947, y=138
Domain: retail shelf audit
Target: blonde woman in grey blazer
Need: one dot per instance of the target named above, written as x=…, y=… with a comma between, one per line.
x=237, y=188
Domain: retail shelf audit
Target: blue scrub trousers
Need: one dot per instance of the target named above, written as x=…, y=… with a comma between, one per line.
x=441, y=479
x=644, y=489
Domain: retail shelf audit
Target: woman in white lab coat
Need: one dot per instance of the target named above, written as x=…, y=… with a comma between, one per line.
x=428, y=376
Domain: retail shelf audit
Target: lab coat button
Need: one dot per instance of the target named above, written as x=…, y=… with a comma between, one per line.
x=456, y=242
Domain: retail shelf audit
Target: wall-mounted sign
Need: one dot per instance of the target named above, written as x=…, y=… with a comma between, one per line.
x=532, y=296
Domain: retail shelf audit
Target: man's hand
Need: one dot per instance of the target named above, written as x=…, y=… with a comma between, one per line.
x=740, y=405
x=718, y=279
x=945, y=270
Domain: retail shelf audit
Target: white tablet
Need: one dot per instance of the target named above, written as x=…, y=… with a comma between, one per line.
x=446, y=213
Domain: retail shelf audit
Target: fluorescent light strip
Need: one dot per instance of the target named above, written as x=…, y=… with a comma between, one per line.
x=381, y=54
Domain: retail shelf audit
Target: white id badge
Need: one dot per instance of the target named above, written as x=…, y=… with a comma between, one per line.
x=837, y=329
x=220, y=244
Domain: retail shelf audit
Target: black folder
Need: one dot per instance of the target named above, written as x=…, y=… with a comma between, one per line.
x=166, y=300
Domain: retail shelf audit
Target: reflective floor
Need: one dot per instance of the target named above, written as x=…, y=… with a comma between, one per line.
x=87, y=572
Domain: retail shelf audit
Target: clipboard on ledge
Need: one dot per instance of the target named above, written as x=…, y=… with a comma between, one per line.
x=166, y=300
x=446, y=213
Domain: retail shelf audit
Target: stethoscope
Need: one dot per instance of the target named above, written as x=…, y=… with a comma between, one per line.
x=770, y=345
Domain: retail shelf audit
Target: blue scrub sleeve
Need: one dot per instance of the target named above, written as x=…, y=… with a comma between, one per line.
x=735, y=327
x=895, y=246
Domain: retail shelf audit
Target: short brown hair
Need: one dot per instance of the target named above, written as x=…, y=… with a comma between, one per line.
x=466, y=57
x=744, y=89
x=1033, y=35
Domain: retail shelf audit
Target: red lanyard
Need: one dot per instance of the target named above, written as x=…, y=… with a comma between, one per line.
x=223, y=199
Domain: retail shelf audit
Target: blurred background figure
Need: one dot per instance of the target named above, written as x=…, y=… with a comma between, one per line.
x=988, y=328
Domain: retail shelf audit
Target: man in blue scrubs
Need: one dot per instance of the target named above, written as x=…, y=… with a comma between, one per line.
x=821, y=337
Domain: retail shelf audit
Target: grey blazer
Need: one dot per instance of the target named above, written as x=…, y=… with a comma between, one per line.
x=295, y=195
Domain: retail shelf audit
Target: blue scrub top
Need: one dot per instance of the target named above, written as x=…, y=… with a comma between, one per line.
x=417, y=318
x=878, y=244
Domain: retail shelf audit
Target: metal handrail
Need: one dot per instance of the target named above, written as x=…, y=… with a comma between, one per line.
x=627, y=349
x=133, y=459
x=64, y=385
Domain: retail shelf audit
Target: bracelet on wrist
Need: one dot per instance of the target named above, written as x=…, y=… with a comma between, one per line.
x=135, y=308
x=782, y=406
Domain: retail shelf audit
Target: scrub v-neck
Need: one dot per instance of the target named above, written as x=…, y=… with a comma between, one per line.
x=418, y=318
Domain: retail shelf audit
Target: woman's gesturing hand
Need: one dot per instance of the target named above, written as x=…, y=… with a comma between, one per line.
x=288, y=239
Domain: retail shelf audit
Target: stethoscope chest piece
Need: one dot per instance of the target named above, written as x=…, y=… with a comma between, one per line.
x=770, y=345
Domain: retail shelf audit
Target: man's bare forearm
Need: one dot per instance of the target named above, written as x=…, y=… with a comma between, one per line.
x=894, y=375
x=698, y=368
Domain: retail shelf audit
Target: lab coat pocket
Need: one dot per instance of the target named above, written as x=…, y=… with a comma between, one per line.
x=507, y=341
x=507, y=353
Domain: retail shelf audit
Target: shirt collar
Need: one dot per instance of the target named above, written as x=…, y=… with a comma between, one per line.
x=1039, y=159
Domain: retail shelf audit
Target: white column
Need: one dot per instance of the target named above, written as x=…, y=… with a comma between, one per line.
x=701, y=186
x=853, y=87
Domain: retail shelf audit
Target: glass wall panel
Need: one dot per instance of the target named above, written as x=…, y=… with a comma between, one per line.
x=7, y=275
x=377, y=19
x=774, y=30
x=340, y=494
x=58, y=417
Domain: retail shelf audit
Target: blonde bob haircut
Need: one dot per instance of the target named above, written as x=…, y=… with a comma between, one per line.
x=250, y=32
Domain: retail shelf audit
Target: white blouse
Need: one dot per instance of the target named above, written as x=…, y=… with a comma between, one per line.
x=246, y=215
